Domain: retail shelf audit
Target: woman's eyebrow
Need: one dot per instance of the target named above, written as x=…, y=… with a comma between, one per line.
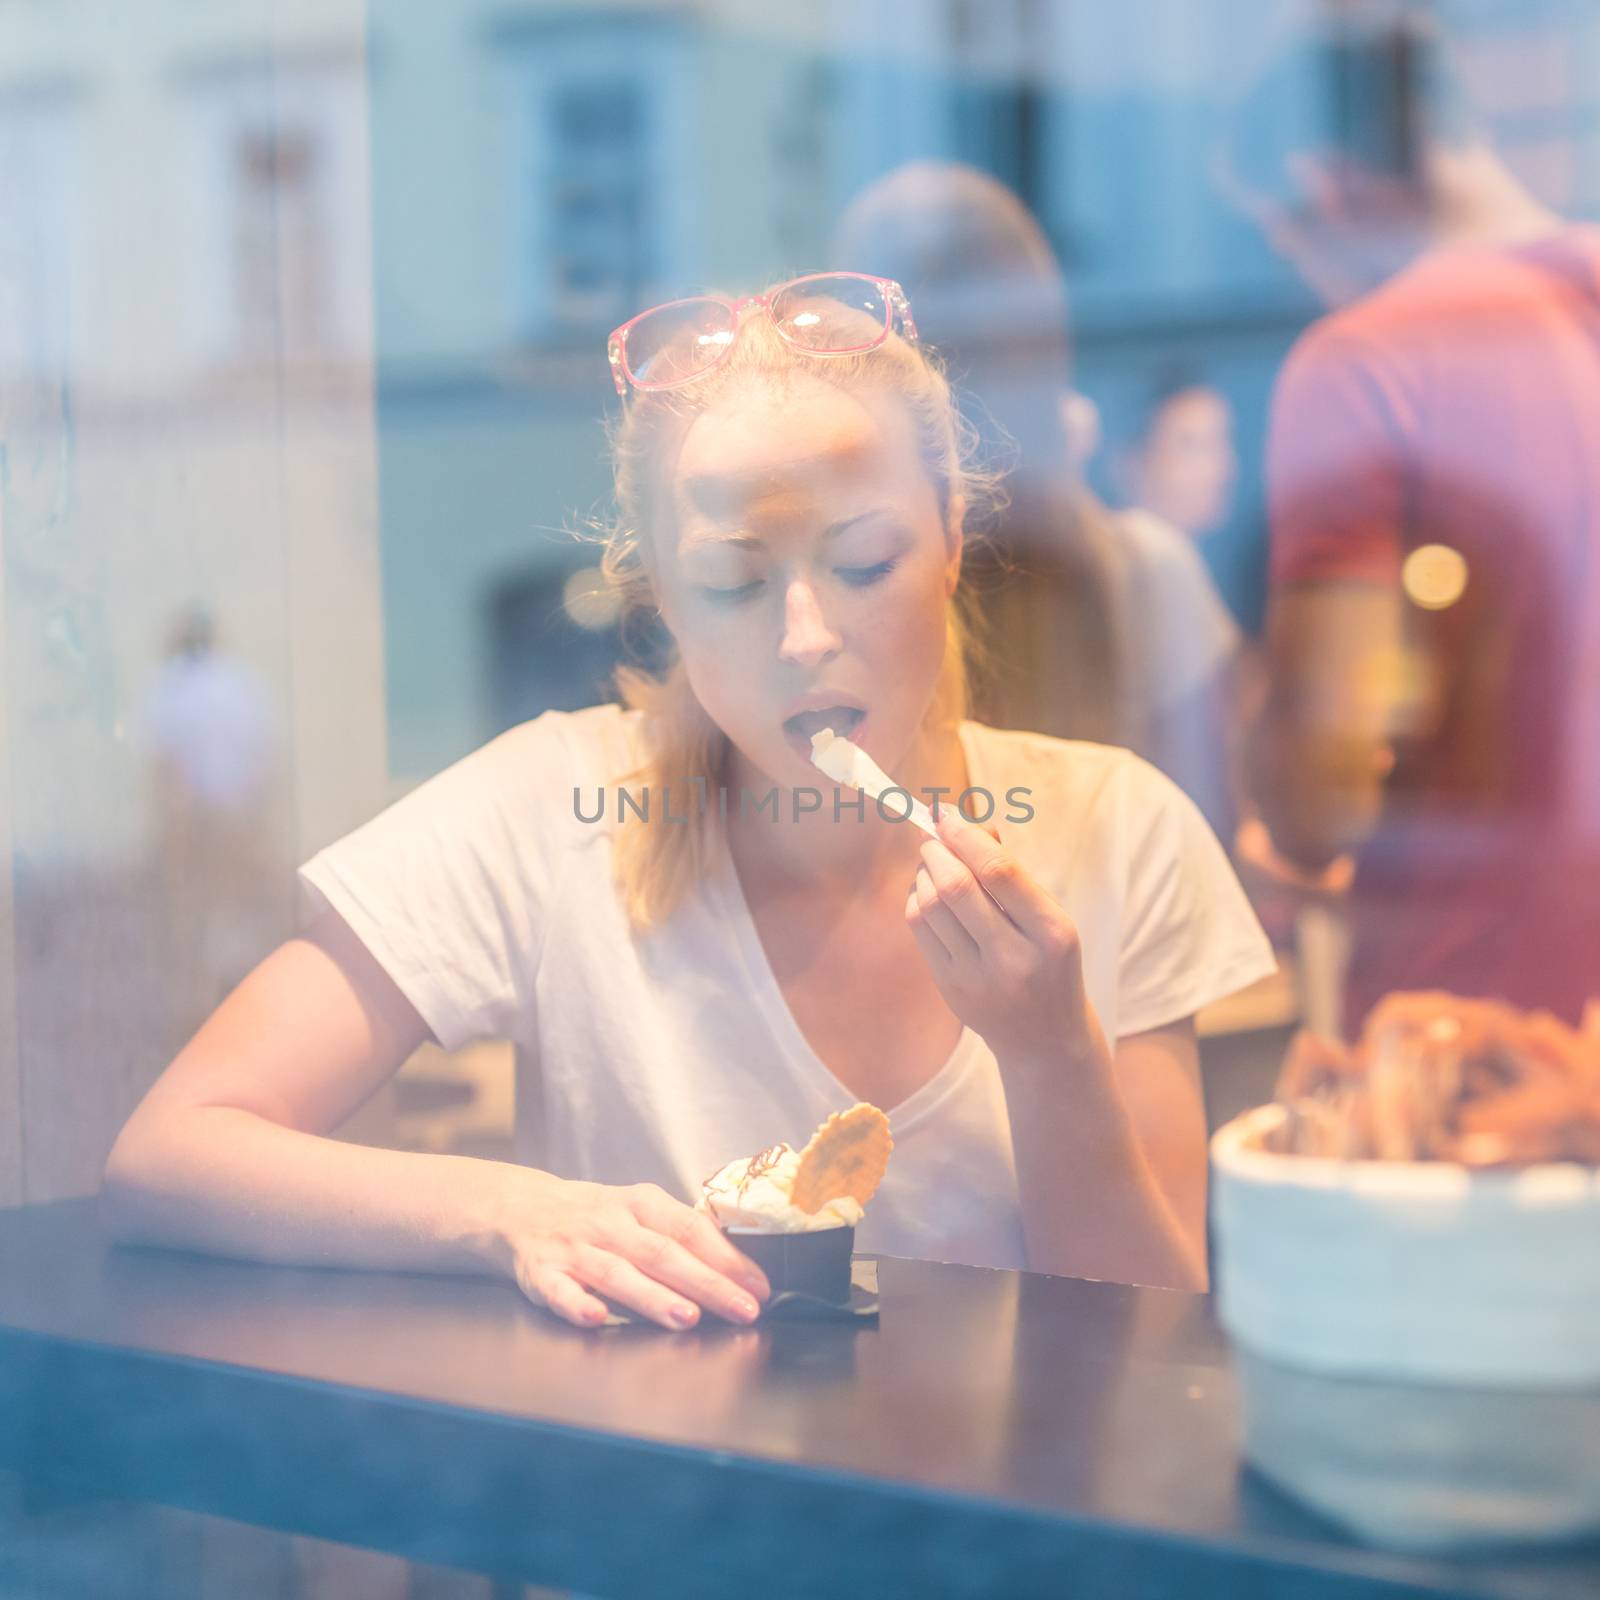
x=836, y=528
x=709, y=538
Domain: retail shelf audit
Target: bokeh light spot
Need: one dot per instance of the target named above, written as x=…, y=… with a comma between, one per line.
x=1434, y=576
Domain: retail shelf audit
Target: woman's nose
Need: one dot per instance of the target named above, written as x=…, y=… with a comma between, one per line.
x=807, y=638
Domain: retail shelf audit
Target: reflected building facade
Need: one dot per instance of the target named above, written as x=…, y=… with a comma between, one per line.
x=541, y=173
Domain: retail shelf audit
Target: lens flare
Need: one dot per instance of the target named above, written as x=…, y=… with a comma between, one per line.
x=1434, y=576
x=588, y=601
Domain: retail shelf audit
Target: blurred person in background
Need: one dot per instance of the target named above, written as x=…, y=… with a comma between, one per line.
x=1434, y=494
x=1177, y=470
x=1179, y=463
x=209, y=729
x=1098, y=626
x=991, y=301
x=1177, y=473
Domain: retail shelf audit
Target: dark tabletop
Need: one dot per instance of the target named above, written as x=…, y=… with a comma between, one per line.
x=996, y=1433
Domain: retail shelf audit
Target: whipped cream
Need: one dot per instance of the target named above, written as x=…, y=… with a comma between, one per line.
x=753, y=1192
x=847, y=763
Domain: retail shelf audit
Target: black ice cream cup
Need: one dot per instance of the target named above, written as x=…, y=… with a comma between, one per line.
x=816, y=1263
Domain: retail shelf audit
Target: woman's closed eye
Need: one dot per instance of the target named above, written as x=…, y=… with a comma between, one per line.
x=723, y=596
x=860, y=577
x=856, y=577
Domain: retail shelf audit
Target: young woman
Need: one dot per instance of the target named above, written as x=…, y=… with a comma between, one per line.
x=1019, y=998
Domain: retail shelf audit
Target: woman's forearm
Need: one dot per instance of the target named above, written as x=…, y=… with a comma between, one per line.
x=227, y=1181
x=1092, y=1205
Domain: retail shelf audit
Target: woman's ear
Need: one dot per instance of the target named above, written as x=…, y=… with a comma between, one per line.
x=955, y=543
x=664, y=610
x=661, y=603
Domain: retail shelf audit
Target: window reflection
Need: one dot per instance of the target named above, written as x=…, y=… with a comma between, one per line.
x=1290, y=360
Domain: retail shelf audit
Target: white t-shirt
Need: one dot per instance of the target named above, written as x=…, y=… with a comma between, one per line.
x=492, y=906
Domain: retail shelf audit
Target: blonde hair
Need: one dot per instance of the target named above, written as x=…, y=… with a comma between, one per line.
x=656, y=867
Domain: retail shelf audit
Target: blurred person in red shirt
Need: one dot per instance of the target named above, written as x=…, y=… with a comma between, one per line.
x=1433, y=479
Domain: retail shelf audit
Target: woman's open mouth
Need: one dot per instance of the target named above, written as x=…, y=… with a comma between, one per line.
x=844, y=720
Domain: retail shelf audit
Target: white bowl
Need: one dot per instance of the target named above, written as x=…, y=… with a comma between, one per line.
x=1419, y=1344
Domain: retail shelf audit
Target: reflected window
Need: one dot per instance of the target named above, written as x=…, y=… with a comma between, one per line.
x=40, y=199
x=599, y=210
x=997, y=105
x=553, y=644
x=278, y=218
x=277, y=186
x=600, y=122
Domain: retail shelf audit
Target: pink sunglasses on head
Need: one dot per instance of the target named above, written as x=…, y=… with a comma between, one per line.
x=823, y=314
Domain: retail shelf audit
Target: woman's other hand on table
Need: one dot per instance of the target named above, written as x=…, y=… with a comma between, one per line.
x=573, y=1246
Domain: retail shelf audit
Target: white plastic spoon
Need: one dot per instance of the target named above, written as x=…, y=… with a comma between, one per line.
x=850, y=765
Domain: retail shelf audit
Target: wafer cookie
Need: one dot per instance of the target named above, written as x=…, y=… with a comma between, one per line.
x=847, y=1156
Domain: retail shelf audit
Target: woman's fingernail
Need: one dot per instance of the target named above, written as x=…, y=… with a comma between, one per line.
x=746, y=1310
x=684, y=1315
